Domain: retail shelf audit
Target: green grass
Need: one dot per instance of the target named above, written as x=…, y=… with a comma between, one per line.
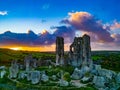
x=109, y=58
x=6, y=56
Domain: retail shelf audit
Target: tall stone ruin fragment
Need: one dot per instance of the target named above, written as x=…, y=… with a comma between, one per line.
x=13, y=69
x=59, y=51
x=80, y=51
x=29, y=62
x=76, y=52
x=86, y=50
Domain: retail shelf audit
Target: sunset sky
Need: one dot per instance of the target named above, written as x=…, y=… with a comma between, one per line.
x=34, y=24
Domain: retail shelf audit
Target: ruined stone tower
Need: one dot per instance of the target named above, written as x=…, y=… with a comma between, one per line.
x=76, y=51
x=59, y=51
x=80, y=51
x=86, y=49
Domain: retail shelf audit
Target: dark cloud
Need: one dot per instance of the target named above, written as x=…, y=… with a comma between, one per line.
x=85, y=22
x=32, y=39
x=116, y=39
x=64, y=31
x=45, y=39
x=8, y=38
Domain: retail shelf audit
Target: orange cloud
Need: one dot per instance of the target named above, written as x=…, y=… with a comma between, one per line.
x=78, y=16
x=116, y=25
x=44, y=31
x=86, y=22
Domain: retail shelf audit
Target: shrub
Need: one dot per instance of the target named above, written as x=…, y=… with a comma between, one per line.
x=66, y=76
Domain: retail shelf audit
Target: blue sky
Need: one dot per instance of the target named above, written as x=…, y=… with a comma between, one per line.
x=29, y=14
x=98, y=18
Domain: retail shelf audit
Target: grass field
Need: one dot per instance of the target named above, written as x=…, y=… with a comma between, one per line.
x=108, y=59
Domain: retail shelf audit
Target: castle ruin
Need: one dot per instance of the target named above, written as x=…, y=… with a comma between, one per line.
x=79, y=54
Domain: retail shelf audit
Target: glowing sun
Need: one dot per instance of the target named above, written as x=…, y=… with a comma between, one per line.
x=16, y=48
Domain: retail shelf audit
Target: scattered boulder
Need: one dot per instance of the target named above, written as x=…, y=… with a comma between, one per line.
x=63, y=82
x=54, y=77
x=2, y=73
x=77, y=83
x=44, y=77
x=85, y=79
x=118, y=78
x=28, y=75
x=95, y=69
x=77, y=74
x=22, y=75
x=106, y=73
x=99, y=81
x=2, y=67
x=85, y=69
x=35, y=77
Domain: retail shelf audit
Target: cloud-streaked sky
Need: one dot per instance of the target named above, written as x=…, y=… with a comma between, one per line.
x=50, y=18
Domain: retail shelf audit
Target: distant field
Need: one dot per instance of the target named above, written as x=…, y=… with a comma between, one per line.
x=108, y=59
x=7, y=55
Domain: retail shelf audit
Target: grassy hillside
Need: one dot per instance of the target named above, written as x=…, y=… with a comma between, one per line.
x=108, y=59
x=7, y=55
